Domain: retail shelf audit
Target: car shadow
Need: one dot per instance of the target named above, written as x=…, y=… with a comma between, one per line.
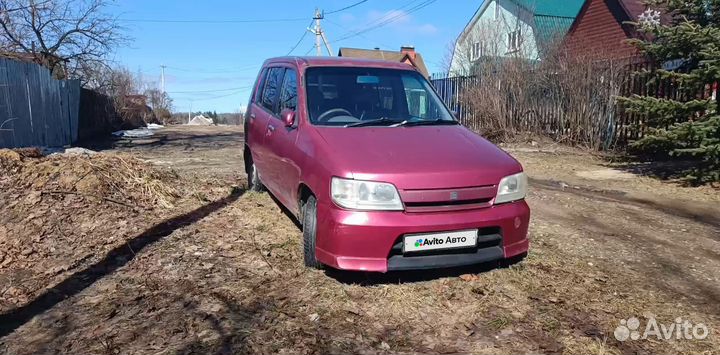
x=165, y=139
x=113, y=260
x=285, y=211
x=413, y=276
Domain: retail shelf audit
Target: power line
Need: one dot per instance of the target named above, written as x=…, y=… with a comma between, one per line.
x=346, y=7
x=205, y=91
x=310, y=50
x=397, y=16
x=218, y=71
x=216, y=97
x=361, y=35
x=208, y=21
x=391, y=17
x=215, y=21
x=305, y=32
x=220, y=96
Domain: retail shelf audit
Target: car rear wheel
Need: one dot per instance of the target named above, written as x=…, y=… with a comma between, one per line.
x=254, y=183
x=309, y=224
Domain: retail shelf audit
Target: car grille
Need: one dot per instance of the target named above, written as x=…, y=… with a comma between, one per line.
x=438, y=200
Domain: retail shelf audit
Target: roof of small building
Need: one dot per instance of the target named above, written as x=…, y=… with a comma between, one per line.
x=379, y=54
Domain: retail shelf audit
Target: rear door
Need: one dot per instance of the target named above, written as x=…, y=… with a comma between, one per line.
x=280, y=141
x=260, y=112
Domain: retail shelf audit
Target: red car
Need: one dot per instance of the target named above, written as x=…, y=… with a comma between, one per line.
x=377, y=170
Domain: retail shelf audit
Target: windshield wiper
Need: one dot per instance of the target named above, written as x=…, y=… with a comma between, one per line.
x=436, y=122
x=378, y=122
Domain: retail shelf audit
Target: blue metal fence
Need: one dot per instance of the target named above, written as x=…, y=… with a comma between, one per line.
x=450, y=88
x=35, y=108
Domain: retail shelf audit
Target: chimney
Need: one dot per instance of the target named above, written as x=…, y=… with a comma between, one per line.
x=409, y=50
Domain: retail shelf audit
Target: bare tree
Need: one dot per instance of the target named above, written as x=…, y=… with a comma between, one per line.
x=161, y=103
x=508, y=84
x=70, y=37
x=491, y=40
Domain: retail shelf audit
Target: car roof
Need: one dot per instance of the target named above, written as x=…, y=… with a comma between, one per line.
x=323, y=61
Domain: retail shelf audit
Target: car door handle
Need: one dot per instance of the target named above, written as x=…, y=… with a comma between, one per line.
x=271, y=128
x=252, y=116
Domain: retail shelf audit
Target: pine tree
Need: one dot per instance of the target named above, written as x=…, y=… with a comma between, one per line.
x=688, y=124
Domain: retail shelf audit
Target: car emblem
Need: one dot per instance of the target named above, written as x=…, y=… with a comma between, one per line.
x=453, y=196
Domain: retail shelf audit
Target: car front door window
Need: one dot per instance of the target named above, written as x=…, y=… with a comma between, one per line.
x=288, y=96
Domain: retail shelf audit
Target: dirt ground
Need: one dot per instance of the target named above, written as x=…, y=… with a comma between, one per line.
x=219, y=270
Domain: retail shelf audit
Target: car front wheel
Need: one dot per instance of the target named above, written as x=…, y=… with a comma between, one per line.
x=309, y=232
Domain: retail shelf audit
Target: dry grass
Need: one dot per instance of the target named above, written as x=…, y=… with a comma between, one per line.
x=233, y=282
x=115, y=178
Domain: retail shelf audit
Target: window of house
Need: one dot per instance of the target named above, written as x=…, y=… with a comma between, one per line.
x=475, y=51
x=288, y=96
x=272, y=89
x=514, y=40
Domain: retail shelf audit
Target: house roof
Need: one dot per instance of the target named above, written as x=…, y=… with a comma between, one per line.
x=552, y=18
x=393, y=56
x=633, y=7
x=559, y=8
x=547, y=28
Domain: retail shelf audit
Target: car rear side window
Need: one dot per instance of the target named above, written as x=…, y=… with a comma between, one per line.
x=288, y=98
x=272, y=89
x=257, y=94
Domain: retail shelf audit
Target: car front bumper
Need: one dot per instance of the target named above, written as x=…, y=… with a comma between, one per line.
x=372, y=241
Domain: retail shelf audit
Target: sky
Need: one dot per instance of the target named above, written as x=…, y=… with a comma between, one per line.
x=212, y=57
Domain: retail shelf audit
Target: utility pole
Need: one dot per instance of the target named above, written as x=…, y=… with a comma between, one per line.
x=189, y=112
x=318, y=31
x=320, y=37
x=162, y=77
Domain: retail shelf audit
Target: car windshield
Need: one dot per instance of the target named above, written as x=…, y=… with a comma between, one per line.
x=361, y=97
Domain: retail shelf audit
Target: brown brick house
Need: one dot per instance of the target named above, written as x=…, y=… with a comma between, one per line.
x=600, y=31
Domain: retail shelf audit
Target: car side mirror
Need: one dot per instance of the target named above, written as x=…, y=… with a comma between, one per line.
x=288, y=117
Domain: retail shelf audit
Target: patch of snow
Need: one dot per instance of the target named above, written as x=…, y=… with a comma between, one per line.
x=78, y=151
x=134, y=133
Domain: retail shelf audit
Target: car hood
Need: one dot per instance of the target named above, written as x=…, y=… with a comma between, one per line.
x=420, y=157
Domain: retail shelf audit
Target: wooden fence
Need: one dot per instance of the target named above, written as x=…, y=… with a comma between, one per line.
x=35, y=108
x=552, y=109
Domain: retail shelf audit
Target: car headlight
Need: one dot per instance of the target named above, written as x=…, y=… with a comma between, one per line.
x=512, y=188
x=365, y=195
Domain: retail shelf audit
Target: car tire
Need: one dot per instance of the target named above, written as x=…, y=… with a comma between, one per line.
x=309, y=224
x=254, y=183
